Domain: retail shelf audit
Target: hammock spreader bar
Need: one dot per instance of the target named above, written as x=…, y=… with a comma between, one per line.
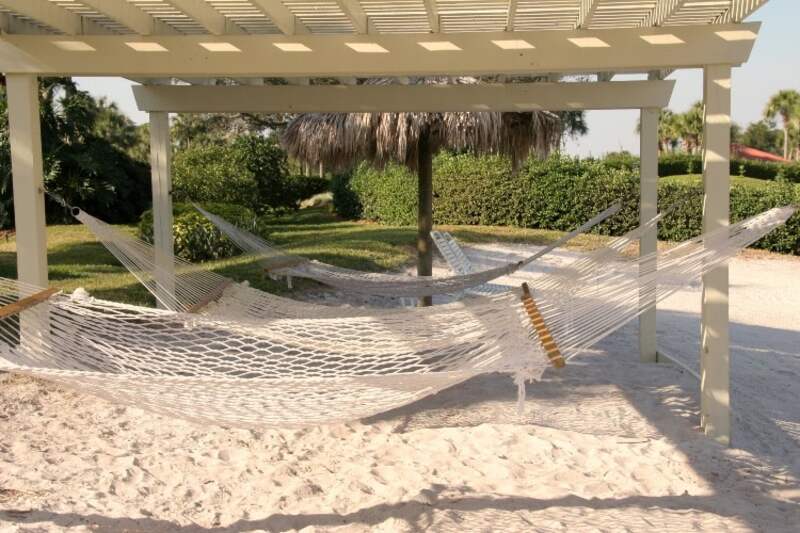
x=545, y=337
x=212, y=296
x=26, y=303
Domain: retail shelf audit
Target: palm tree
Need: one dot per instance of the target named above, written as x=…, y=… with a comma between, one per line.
x=340, y=140
x=690, y=127
x=785, y=104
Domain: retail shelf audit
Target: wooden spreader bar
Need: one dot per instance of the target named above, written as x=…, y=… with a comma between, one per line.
x=279, y=264
x=26, y=303
x=549, y=345
x=212, y=296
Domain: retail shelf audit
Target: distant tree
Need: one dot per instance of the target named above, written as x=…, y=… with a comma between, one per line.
x=690, y=127
x=762, y=135
x=85, y=145
x=786, y=105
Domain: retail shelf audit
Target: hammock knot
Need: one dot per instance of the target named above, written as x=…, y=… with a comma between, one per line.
x=521, y=377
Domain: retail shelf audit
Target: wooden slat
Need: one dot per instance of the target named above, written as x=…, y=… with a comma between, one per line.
x=26, y=303
x=212, y=296
x=545, y=337
x=279, y=264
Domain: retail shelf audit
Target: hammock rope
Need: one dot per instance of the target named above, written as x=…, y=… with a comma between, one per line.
x=263, y=368
x=278, y=262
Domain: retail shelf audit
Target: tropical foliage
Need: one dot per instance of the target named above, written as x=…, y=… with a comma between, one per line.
x=557, y=193
x=90, y=155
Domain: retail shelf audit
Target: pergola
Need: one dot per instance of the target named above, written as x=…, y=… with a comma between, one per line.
x=177, y=49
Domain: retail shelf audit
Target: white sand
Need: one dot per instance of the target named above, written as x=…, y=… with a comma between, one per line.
x=608, y=444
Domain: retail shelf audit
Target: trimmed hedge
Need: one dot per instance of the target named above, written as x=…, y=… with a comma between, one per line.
x=682, y=163
x=558, y=193
x=196, y=238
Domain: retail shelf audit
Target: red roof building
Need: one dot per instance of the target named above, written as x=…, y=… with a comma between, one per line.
x=740, y=151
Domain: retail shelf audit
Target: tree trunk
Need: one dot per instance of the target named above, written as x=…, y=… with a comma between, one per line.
x=424, y=211
x=785, y=140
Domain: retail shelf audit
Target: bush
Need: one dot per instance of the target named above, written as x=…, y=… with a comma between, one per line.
x=213, y=173
x=196, y=238
x=252, y=171
x=558, y=193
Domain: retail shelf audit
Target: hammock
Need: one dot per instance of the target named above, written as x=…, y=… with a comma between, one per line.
x=277, y=262
x=270, y=372
x=186, y=287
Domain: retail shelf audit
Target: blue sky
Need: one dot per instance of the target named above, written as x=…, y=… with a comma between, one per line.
x=774, y=65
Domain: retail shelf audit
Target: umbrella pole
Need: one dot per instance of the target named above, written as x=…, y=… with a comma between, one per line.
x=425, y=210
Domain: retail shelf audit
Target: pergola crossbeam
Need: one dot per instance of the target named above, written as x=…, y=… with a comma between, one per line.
x=478, y=54
x=587, y=11
x=739, y=10
x=432, y=11
x=128, y=15
x=662, y=12
x=282, y=17
x=204, y=14
x=403, y=98
x=358, y=17
x=43, y=12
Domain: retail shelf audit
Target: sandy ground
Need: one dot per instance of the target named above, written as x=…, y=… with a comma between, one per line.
x=607, y=444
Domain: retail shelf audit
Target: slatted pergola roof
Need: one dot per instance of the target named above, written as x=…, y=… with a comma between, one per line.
x=220, y=17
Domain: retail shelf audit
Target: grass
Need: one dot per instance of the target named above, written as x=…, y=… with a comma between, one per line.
x=76, y=259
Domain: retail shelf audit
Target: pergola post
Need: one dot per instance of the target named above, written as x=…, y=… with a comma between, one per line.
x=25, y=138
x=648, y=208
x=715, y=407
x=424, y=210
x=160, y=162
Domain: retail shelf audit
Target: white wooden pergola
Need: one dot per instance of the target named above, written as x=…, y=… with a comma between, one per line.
x=177, y=48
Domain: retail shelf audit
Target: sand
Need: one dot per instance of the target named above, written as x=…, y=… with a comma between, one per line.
x=607, y=444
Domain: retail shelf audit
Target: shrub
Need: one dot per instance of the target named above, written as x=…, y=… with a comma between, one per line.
x=252, y=171
x=558, y=193
x=213, y=173
x=196, y=238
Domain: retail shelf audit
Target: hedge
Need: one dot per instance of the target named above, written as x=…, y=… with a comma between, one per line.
x=682, y=163
x=558, y=193
x=196, y=238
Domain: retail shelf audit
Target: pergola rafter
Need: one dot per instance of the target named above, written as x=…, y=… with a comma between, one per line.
x=290, y=17
x=47, y=14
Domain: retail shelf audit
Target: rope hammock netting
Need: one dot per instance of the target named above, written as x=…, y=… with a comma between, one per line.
x=278, y=262
x=259, y=360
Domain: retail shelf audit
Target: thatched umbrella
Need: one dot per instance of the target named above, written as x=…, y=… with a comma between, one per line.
x=338, y=141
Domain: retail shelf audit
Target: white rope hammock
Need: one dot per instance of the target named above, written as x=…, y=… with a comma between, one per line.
x=278, y=262
x=261, y=369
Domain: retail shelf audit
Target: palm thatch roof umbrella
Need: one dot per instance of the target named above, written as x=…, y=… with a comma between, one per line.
x=339, y=141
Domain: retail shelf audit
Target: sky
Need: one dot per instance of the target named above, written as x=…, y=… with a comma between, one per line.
x=774, y=65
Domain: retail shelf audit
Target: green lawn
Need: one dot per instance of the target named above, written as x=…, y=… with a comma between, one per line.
x=77, y=260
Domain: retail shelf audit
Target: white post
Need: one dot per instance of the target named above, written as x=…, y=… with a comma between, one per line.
x=160, y=159
x=648, y=208
x=715, y=407
x=25, y=137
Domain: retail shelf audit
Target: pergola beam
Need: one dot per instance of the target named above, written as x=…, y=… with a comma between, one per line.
x=432, y=10
x=201, y=12
x=281, y=16
x=512, y=14
x=588, y=8
x=403, y=98
x=623, y=50
x=740, y=10
x=128, y=15
x=662, y=11
x=358, y=17
x=44, y=12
